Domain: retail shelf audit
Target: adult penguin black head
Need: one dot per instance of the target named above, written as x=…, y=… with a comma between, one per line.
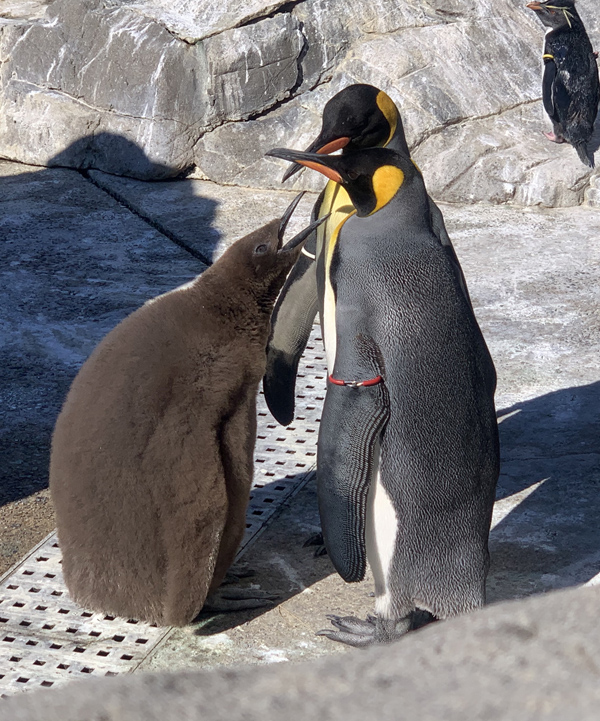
x=371, y=177
x=557, y=14
x=359, y=116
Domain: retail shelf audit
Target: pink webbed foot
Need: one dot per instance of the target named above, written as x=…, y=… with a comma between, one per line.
x=554, y=138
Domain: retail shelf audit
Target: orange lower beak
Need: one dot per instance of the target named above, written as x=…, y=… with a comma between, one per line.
x=334, y=145
x=534, y=6
x=327, y=172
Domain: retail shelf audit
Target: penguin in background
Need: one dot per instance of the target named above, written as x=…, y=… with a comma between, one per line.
x=570, y=87
x=359, y=116
x=408, y=455
x=152, y=453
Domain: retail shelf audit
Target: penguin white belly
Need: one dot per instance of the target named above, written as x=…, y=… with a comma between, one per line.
x=328, y=327
x=380, y=537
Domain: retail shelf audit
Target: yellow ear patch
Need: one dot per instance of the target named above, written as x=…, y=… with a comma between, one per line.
x=386, y=181
x=390, y=112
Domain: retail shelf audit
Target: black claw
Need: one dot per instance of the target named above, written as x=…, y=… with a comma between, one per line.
x=315, y=540
x=350, y=639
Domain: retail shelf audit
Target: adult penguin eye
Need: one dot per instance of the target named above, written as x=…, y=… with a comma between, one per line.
x=261, y=249
x=352, y=174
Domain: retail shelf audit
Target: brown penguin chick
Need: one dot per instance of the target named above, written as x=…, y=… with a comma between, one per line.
x=152, y=453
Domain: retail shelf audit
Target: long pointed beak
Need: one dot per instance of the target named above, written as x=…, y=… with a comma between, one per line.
x=309, y=160
x=303, y=234
x=285, y=218
x=534, y=6
x=321, y=149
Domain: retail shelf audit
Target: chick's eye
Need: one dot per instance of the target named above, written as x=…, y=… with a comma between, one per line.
x=260, y=249
x=352, y=174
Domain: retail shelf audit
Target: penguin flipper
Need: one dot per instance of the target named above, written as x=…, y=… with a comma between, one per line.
x=586, y=157
x=352, y=422
x=548, y=81
x=438, y=226
x=291, y=325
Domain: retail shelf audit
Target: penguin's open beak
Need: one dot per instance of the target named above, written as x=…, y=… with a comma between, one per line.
x=321, y=148
x=534, y=6
x=303, y=234
x=285, y=218
x=315, y=161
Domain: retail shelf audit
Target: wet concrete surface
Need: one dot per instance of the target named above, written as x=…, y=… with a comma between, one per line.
x=76, y=259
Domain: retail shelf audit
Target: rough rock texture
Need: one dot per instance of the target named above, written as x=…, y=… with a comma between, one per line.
x=527, y=660
x=93, y=70
x=90, y=77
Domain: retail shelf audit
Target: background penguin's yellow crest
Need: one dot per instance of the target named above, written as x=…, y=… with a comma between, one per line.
x=386, y=181
x=390, y=112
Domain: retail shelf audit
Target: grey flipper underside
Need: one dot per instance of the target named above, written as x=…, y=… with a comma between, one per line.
x=226, y=599
x=345, y=470
x=291, y=325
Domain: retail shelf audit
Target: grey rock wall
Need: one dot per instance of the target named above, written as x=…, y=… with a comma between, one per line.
x=212, y=86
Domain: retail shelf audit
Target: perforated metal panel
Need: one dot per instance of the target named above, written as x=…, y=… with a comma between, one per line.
x=45, y=639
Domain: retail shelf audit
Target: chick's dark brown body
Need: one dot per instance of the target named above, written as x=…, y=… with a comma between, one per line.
x=152, y=454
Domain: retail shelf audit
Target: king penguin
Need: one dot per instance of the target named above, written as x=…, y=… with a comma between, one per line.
x=359, y=116
x=408, y=455
x=570, y=87
x=152, y=453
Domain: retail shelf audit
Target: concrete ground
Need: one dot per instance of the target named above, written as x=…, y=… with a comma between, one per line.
x=80, y=252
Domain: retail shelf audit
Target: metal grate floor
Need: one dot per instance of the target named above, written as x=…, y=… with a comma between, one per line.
x=46, y=640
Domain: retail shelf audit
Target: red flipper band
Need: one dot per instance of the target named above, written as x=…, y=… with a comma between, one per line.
x=356, y=384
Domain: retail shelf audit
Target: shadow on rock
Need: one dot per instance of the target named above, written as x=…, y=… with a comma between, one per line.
x=282, y=566
x=73, y=264
x=546, y=518
x=108, y=150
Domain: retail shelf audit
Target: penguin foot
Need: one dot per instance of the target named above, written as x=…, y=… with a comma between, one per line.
x=554, y=138
x=354, y=632
x=237, y=572
x=351, y=630
x=238, y=599
x=316, y=540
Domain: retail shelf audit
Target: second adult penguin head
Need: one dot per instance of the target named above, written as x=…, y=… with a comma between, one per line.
x=371, y=177
x=556, y=14
x=359, y=116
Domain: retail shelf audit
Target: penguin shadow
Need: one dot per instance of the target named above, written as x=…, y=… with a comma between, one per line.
x=545, y=528
x=74, y=261
x=154, y=191
x=280, y=561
